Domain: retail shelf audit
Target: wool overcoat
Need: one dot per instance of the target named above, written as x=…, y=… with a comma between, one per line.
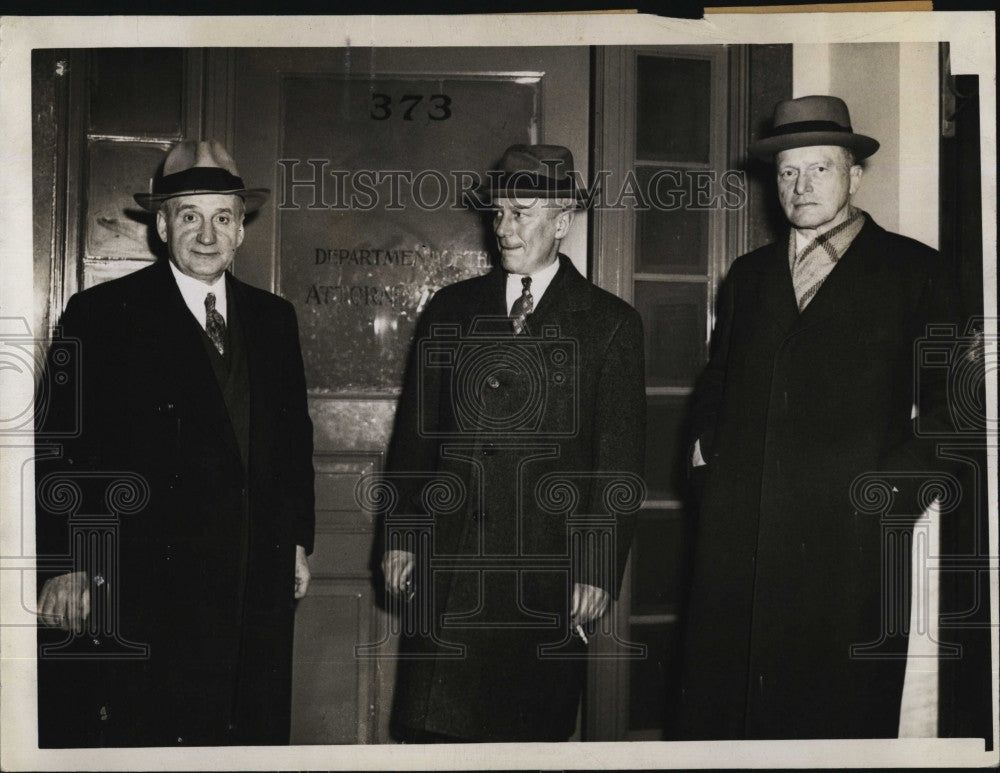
x=531, y=434
x=204, y=573
x=800, y=589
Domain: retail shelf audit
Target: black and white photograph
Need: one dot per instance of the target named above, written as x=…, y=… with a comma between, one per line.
x=499, y=392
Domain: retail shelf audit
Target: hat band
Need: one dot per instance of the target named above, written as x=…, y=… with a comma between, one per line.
x=810, y=126
x=199, y=178
x=530, y=181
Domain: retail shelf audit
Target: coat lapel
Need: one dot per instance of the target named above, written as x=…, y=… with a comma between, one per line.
x=256, y=347
x=837, y=295
x=568, y=292
x=169, y=326
x=777, y=296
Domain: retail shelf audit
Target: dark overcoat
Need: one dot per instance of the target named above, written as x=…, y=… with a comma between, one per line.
x=801, y=553
x=528, y=434
x=204, y=575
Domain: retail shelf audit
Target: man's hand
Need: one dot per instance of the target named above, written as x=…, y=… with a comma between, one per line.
x=65, y=601
x=589, y=603
x=302, y=574
x=397, y=567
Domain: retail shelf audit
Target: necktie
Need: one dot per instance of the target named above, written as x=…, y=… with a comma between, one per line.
x=523, y=306
x=215, y=325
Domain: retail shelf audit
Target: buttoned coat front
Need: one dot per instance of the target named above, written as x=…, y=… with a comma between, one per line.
x=204, y=573
x=528, y=434
x=797, y=616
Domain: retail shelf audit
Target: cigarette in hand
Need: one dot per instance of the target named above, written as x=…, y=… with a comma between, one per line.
x=581, y=634
x=410, y=590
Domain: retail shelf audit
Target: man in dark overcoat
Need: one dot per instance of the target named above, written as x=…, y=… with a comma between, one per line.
x=524, y=406
x=194, y=432
x=804, y=434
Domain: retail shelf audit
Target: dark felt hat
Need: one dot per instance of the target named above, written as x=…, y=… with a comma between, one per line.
x=194, y=167
x=813, y=120
x=533, y=171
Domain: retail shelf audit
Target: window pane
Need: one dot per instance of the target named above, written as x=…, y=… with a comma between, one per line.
x=657, y=561
x=117, y=227
x=674, y=317
x=673, y=117
x=666, y=441
x=672, y=235
x=137, y=91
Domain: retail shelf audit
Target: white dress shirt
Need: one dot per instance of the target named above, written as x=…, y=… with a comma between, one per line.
x=194, y=291
x=540, y=282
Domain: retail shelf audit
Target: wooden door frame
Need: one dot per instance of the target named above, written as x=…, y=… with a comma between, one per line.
x=612, y=239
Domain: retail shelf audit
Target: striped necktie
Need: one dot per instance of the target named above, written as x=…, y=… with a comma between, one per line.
x=523, y=306
x=215, y=325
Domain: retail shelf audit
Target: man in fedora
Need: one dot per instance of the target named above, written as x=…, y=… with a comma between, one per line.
x=525, y=399
x=801, y=420
x=191, y=388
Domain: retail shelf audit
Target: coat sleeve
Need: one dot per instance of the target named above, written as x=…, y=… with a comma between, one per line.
x=936, y=391
x=298, y=495
x=68, y=435
x=413, y=450
x=707, y=397
x=619, y=446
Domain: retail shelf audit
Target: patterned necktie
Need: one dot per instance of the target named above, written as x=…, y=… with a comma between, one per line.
x=215, y=325
x=523, y=306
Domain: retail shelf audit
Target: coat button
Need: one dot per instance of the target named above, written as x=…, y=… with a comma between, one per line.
x=493, y=381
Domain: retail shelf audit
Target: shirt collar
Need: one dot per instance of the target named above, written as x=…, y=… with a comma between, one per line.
x=194, y=291
x=540, y=282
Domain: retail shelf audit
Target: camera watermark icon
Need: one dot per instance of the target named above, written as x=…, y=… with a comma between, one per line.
x=497, y=383
x=49, y=372
x=958, y=363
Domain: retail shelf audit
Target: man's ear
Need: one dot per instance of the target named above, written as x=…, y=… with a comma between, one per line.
x=563, y=221
x=856, y=172
x=239, y=234
x=161, y=225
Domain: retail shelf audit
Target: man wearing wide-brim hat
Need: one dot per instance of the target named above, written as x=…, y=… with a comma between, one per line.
x=802, y=422
x=191, y=383
x=524, y=398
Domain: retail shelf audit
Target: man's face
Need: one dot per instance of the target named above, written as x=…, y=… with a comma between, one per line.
x=202, y=233
x=815, y=185
x=528, y=232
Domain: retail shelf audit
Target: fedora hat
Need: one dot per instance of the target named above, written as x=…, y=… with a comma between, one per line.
x=814, y=120
x=194, y=167
x=533, y=171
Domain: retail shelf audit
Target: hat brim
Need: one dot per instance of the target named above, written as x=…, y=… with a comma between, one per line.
x=253, y=198
x=767, y=148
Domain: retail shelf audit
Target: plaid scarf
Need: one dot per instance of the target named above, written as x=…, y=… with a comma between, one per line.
x=813, y=265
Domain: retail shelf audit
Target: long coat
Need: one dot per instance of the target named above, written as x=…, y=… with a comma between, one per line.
x=528, y=433
x=205, y=570
x=805, y=422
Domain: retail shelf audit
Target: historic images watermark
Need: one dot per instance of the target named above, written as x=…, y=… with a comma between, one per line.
x=315, y=184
